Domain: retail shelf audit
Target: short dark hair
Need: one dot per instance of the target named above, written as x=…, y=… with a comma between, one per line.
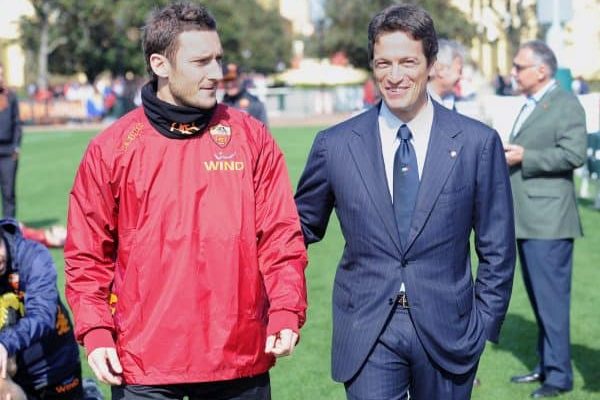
x=543, y=53
x=407, y=18
x=163, y=26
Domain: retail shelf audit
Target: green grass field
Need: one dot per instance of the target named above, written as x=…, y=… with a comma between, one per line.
x=46, y=171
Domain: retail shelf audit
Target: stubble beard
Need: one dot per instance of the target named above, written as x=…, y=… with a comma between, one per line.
x=189, y=97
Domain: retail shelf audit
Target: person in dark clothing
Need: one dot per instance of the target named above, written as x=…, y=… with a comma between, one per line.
x=236, y=95
x=36, y=329
x=10, y=140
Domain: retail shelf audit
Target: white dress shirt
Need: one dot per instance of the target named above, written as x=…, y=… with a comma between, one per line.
x=420, y=127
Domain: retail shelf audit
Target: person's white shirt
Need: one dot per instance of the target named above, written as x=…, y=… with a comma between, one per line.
x=420, y=127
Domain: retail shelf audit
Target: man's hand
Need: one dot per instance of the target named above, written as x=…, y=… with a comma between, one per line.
x=106, y=366
x=282, y=344
x=3, y=361
x=514, y=154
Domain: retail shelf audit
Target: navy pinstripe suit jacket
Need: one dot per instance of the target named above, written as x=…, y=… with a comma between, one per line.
x=464, y=188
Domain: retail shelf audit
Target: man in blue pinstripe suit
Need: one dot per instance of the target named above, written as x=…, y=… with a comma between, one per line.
x=410, y=181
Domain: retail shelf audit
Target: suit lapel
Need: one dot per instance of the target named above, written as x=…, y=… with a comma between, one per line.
x=365, y=148
x=443, y=151
x=539, y=111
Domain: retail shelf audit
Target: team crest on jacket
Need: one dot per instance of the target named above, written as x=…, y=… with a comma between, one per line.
x=221, y=135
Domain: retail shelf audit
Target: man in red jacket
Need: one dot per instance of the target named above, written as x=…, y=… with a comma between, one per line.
x=184, y=255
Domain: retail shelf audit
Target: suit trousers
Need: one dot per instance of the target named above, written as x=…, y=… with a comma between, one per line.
x=8, y=175
x=398, y=364
x=547, y=267
x=252, y=388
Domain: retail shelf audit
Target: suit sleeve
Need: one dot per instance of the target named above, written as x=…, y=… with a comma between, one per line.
x=569, y=151
x=41, y=298
x=314, y=197
x=494, y=237
x=281, y=252
x=90, y=251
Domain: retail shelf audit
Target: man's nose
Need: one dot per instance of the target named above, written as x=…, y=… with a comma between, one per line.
x=396, y=73
x=215, y=71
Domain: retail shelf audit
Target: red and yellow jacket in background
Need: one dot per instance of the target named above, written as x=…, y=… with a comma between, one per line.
x=199, y=242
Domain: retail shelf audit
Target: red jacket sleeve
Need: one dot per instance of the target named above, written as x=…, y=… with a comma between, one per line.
x=281, y=251
x=90, y=248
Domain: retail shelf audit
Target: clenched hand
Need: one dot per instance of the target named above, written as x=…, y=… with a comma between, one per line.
x=281, y=344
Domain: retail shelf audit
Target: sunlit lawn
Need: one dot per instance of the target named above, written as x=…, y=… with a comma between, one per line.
x=46, y=171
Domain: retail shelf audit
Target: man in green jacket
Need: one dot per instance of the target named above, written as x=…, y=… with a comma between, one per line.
x=548, y=141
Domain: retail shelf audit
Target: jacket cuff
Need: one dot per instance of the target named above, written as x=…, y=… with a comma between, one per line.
x=99, y=337
x=282, y=319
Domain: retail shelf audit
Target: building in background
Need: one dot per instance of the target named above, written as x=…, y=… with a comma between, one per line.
x=11, y=53
x=503, y=24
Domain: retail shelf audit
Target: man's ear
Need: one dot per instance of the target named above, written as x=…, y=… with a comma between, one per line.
x=542, y=72
x=160, y=65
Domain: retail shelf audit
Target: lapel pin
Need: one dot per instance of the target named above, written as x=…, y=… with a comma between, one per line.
x=453, y=153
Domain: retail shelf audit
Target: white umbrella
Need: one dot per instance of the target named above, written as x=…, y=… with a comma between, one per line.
x=313, y=72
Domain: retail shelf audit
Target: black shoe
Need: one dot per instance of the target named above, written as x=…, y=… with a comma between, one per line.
x=546, y=391
x=529, y=378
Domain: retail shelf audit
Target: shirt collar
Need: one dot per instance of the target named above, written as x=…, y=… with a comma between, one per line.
x=420, y=124
x=540, y=93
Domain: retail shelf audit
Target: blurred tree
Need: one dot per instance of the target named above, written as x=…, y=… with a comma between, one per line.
x=255, y=38
x=346, y=23
x=40, y=37
x=94, y=36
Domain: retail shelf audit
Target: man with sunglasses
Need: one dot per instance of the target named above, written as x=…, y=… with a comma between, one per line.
x=547, y=142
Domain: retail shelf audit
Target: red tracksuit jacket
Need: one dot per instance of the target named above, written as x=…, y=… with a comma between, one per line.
x=196, y=241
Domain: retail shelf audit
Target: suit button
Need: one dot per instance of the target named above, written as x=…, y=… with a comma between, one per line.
x=391, y=301
x=404, y=263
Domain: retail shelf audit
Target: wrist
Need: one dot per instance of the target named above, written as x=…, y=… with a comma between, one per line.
x=99, y=337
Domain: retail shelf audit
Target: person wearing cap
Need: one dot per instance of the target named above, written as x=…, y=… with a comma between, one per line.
x=36, y=334
x=238, y=96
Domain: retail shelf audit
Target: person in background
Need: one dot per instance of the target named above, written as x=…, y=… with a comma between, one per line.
x=184, y=253
x=580, y=86
x=500, y=84
x=446, y=73
x=238, y=96
x=52, y=236
x=547, y=143
x=411, y=182
x=370, y=95
x=10, y=145
x=36, y=331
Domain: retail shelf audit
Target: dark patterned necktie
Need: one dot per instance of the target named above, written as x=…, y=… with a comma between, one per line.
x=406, y=182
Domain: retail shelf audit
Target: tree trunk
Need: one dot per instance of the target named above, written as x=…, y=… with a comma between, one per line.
x=42, y=79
